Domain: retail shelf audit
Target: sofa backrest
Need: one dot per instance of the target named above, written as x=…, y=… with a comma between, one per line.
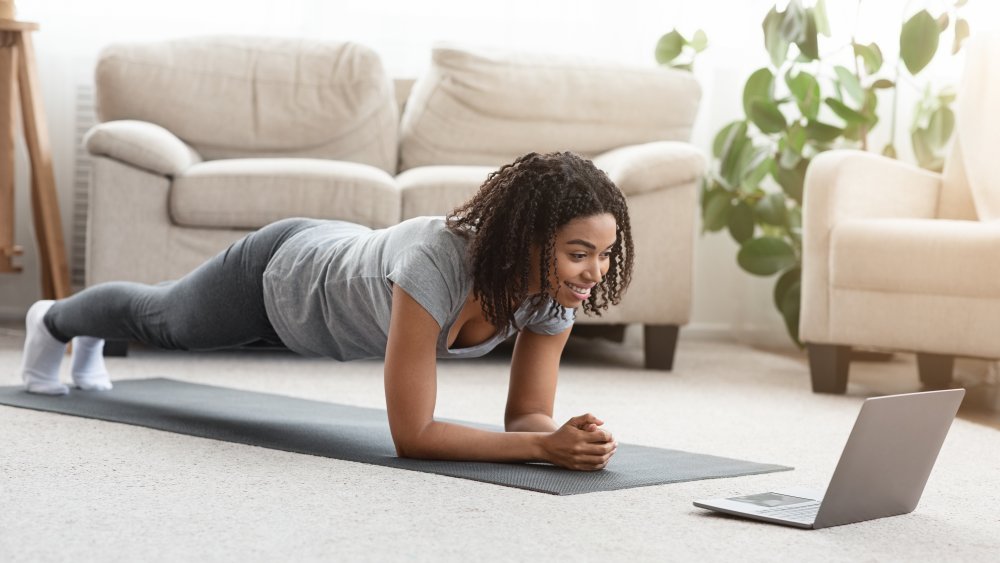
x=234, y=97
x=486, y=107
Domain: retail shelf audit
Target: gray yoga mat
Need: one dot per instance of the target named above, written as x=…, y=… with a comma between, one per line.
x=355, y=434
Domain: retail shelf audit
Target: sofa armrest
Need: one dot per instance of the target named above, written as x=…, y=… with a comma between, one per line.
x=143, y=145
x=638, y=169
x=849, y=184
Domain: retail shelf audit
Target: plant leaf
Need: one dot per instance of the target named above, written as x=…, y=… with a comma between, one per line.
x=772, y=209
x=699, y=41
x=822, y=132
x=741, y=222
x=793, y=25
x=941, y=126
x=918, y=41
x=715, y=212
x=846, y=113
x=822, y=21
x=774, y=42
x=758, y=171
x=883, y=83
x=767, y=117
x=961, y=34
x=870, y=55
x=669, y=47
x=791, y=180
x=808, y=45
x=943, y=22
x=849, y=81
x=796, y=138
x=790, y=307
x=805, y=88
x=759, y=86
x=786, y=280
x=889, y=150
x=764, y=256
x=734, y=161
x=723, y=140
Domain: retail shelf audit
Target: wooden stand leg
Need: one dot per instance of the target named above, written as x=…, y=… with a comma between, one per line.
x=8, y=92
x=828, y=366
x=659, y=345
x=48, y=221
x=935, y=370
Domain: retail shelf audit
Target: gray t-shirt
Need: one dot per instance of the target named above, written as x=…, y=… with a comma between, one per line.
x=328, y=289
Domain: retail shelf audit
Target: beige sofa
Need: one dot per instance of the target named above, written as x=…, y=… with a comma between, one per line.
x=202, y=140
x=899, y=258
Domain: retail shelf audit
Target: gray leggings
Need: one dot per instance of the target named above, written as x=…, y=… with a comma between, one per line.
x=218, y=305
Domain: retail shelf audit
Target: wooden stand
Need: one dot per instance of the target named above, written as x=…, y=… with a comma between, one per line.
x=19, y=80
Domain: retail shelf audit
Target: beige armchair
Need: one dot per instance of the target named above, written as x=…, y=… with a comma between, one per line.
x=899, y=258
x=204, y=139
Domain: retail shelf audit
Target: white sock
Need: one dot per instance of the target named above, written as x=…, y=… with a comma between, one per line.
x=88, y=369
x=43, y=354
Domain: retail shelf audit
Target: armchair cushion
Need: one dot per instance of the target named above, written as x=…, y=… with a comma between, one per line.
x=643, y=168
x=250, y=193
x=437, y=190
x=143, y=145
x=917, y=256
x=488, y=107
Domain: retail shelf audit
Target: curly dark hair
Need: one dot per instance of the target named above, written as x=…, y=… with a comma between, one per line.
x=524, y=203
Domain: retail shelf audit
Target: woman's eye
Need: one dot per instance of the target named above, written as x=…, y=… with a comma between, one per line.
x=578, y=256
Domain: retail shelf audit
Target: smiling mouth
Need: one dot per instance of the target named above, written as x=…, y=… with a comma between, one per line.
x=581, y=292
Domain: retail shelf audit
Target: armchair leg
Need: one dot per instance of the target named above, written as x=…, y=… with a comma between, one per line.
x=935, y=370
x=116, y=348
x=828, y=366
x=659, y=345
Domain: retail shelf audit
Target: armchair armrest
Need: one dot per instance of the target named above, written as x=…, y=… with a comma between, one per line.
x=141, y=144
x=842, y=185
x=638, y=169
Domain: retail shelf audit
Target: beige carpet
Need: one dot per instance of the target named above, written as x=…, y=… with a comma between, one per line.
x=86, y=490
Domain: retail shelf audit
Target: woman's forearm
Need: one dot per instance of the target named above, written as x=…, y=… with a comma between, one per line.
x=535, y=422
x=446, y=441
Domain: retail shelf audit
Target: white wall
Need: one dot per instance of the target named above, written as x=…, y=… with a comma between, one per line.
x=726, y=300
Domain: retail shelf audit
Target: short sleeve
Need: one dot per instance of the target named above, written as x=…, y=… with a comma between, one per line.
x=551, y=322
x=432, y=274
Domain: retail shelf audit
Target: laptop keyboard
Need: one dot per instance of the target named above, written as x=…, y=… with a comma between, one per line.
x=805, y=513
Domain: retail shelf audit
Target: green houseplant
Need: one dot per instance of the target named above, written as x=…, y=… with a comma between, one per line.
x=802, y=103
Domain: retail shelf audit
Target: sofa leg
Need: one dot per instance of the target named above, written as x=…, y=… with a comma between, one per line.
x=659, y=345
x=935, y=370
x=828, y=366
x=116, y=348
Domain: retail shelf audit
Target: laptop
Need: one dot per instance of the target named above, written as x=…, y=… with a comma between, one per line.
x=882, y=471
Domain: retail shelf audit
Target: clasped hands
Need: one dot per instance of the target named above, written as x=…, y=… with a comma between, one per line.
x=580, y=444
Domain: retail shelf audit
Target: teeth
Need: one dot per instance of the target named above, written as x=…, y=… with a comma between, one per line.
x=578, y=289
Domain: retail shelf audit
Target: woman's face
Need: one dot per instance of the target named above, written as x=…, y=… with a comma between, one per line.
x=582, y=256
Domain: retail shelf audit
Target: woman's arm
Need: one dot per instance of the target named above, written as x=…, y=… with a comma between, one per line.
x=411, y=392
x=534, y=373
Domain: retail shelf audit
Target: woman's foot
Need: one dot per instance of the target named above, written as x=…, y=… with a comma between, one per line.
x=43, y=354
x=88, y=369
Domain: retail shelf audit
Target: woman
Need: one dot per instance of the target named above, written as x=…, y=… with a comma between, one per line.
x=543, y=235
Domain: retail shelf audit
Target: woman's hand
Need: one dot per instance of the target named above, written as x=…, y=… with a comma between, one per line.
x=580, y=444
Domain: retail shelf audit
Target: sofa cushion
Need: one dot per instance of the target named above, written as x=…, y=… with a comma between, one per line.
x=917, y=256
x=250, y=193
x=437, y=190
x=232, y=97
x=488, y=107
x=638, y=169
